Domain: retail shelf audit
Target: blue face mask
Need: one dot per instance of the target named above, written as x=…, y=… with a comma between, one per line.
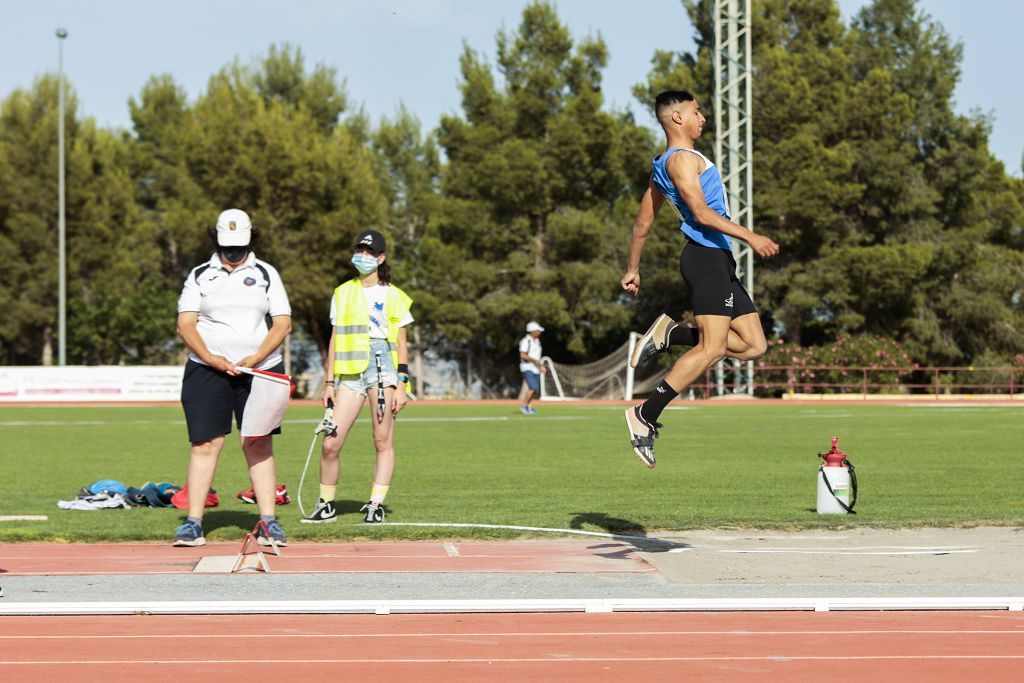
x=364, y=263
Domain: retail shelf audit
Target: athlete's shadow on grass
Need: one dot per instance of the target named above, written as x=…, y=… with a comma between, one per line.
x=245, y=520
x=624, y=531
x=347, y=506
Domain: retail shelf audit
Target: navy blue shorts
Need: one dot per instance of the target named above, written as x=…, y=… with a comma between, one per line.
x=211, y=397
x=532, y=381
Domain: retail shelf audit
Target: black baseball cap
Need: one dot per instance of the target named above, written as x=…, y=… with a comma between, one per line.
x=372, y=239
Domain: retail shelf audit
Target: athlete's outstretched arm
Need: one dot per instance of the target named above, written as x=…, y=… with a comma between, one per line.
x=684, y=170
x=650, y=205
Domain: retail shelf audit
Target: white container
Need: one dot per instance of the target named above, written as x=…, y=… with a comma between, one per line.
x=839, y=480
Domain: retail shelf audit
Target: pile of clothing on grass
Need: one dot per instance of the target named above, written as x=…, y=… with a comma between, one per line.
x=111, y=494
x=108, y=494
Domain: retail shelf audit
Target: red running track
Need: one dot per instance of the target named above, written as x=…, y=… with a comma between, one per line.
x=786, y=646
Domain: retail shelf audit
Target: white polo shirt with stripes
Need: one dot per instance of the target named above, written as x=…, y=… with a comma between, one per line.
x=235, y=307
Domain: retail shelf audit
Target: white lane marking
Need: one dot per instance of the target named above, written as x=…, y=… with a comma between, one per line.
x=450, y=548
x=515, y=634
x=533, y=418
x=976, y=406
x=514, y=660
x=23, y=518
x=795, y=551
x=105, y=423
x=864, y=550
x=577, y=605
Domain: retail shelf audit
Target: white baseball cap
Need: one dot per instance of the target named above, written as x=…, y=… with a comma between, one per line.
x=234, y=229
x=534, y=326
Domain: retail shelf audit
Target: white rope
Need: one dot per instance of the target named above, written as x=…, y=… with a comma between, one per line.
x=302, y=479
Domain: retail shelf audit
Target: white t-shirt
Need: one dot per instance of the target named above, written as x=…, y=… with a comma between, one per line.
x=531, y=347
x=375, y=305
x=235, y=307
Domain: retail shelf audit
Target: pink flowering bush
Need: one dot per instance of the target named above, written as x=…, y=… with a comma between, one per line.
x=845, y=357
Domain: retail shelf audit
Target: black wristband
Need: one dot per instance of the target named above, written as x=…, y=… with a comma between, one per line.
x=403, y=369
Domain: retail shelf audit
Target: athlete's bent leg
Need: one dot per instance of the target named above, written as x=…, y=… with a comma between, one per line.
x=642, y=421
x=746, y=338
x=711, y=348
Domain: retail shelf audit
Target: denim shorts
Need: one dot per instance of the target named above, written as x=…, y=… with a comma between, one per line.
x=367, y=380
x=532, y=380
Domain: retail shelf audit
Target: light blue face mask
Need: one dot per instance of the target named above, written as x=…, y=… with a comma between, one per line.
x=364, y=263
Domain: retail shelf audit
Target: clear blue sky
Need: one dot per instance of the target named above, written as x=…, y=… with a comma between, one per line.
x=407, y=50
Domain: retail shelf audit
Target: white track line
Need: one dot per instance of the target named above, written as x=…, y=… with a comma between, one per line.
x=795, y=551
x=517, y=634
x=107, y=423
x=778, y=659
x=23, y=518
x=817, y=604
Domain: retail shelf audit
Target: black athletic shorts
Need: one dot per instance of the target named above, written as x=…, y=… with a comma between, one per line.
x=711, y=274
x=210, y=397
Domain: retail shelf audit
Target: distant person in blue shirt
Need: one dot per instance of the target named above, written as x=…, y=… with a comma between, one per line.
x=727, y=322
x=530, y=364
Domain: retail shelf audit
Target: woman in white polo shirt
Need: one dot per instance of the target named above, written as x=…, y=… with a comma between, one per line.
x=233, y=312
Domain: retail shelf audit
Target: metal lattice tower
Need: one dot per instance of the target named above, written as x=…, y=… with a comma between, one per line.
x=734, y=152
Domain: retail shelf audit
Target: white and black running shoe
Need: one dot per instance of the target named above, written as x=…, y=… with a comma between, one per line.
x=642, y=435
x=374, y=513
x=323, y=512
x=654, y=341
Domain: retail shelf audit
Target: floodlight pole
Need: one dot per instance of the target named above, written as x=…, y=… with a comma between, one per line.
x=734, y=151
x=62, y=356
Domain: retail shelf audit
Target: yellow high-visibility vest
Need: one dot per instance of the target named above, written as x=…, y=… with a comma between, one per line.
x=352, y=326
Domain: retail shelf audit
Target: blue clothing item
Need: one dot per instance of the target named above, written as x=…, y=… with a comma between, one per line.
x=108, y=486
x=532, y=381
x=714, y=196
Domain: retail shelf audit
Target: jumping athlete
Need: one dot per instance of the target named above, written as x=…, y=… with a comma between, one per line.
x=727, y=321
x=368, y=357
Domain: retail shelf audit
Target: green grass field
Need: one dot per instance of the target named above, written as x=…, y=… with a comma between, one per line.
x=718, y=466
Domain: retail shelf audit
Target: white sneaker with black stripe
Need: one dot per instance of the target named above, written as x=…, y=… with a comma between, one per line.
x=374, y=513
x=322, y=513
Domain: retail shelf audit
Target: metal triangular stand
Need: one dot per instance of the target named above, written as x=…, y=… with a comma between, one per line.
x=261, y=560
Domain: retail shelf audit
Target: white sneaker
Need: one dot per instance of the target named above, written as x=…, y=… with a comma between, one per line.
x=322, y=513
x=654, y=341
x=642, y=435
x=374, y=513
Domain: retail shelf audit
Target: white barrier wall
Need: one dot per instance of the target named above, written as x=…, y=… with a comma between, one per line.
x=96, y=383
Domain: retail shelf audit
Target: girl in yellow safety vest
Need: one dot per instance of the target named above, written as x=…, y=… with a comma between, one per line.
x=368, y=356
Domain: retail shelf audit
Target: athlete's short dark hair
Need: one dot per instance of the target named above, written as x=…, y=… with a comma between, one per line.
x=670, y=97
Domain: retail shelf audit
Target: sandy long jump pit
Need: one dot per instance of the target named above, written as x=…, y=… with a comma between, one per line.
x=979, y=568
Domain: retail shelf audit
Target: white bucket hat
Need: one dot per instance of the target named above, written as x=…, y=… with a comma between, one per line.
x=534, y=326
x=234, y=229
